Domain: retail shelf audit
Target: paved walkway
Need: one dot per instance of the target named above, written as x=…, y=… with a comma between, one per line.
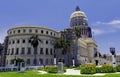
x=72, y=72
x=42, y=72
x=77, y=72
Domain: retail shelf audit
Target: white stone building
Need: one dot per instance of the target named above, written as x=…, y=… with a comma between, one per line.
x=19, y=45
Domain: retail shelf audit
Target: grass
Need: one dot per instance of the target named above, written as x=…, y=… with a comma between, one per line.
x=35, y=74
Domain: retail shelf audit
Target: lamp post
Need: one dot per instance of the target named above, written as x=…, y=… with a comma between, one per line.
x=55, y=60
x=15, y=61
x=112, y=51
x=73, y=61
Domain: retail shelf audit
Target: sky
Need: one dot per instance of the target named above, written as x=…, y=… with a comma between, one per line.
x=103, y=17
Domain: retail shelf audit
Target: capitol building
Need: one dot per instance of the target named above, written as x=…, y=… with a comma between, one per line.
x=83, y=49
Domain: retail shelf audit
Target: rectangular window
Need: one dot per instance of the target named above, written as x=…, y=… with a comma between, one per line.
x=47, y=51
x=41, y=50
x=17, y=51
x=36, y=31
x=35, y=51
x=29, y=50
x=23, y=40
x=28, y=61
x=12, y=52
x=23, y=51
x=51, y=51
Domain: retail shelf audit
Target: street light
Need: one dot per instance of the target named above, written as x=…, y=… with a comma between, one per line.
x=54, y=59
x=73, y=61
x=15, y=61
x=112, y=51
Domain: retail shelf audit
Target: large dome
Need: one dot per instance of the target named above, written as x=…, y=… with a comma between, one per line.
x=78, y=18
x=77, y=14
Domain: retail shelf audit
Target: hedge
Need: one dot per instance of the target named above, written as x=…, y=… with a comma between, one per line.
x=106, y=68
x=118, y=68
x=88, y=69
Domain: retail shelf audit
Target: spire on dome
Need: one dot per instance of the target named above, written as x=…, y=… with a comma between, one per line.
x=77, y=8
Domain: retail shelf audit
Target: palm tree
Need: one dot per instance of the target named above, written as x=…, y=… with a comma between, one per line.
x=18, y=60
x=77, y=34
x=35, y=42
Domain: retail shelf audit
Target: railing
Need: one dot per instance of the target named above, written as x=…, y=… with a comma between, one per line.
x=5, y=69
x=16, y=68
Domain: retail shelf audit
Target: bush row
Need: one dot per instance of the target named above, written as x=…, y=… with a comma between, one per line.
x=92, y=69
x=52, y=69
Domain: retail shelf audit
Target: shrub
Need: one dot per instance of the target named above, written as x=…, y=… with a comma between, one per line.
x=88, y=69
x=51, y=69
x=98, y=69
x=106, y=68
x=118, y=68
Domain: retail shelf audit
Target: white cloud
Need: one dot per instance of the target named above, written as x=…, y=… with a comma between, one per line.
x=106, y=27
x=97, y=31
x=112, y=23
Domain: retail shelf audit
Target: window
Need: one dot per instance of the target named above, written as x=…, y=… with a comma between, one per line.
x=12, y=52
x=46, y=32
x=36, y=31
x=42, y=31
x=29, y=41
x=46, y=41
x=47, y=51
x=40, y=61
x=13, y=41
x=18, y=41
x=51, y=51
x=30, y=30
x=23, y=40
x=18, y=31
x=14, y=31
x=17, y=51
x=8, y=53
x=41, y=50
x=23, y=51
x=51, y=33
x=35, y=52
x=54, y=34
x=29, y=50
x=35, y=61
x=28, y=61
x=46, y=61
x=24, y=30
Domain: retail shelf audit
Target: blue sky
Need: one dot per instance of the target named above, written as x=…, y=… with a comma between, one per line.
x=103, y=17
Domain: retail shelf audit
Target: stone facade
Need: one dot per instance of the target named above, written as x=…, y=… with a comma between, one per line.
x=19, y=45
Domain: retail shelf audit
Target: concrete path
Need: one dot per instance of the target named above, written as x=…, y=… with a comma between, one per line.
x=72, y=72
x=42, y=72
x=77, y=72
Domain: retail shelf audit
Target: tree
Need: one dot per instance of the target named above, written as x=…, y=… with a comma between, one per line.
x=77, y=34
x=35, y=42
x=18, y=61
x=64, y=44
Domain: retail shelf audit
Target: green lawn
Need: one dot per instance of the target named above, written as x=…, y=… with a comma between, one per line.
x=35, y=74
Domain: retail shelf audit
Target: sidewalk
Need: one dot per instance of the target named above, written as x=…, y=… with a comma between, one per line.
x=77, y=72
